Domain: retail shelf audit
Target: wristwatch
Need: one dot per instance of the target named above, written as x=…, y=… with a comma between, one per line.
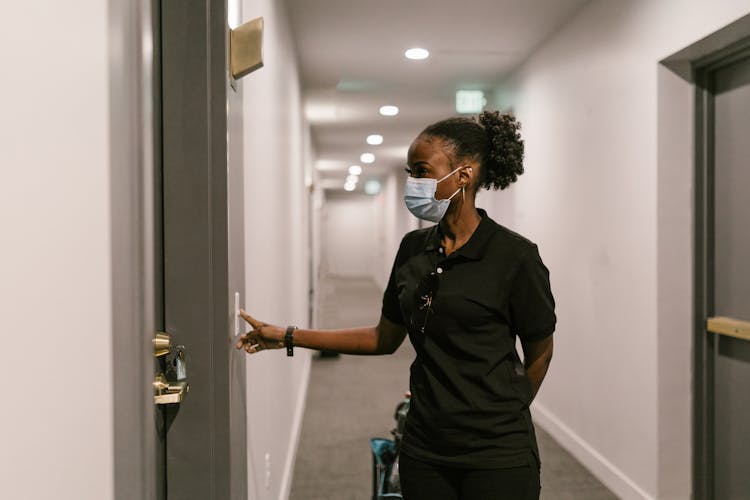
x=289, y=340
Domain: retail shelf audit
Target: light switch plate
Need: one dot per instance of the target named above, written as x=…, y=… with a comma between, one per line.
x=237, y=313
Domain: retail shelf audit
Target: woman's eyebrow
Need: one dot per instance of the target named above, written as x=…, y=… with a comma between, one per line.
x=419, y=163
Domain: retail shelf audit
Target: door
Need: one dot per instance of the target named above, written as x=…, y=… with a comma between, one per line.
x=726, y=360
x=201, y=442
x=732, y=280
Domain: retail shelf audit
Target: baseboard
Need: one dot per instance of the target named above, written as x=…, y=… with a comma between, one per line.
x=299, y=413
x=604, y=470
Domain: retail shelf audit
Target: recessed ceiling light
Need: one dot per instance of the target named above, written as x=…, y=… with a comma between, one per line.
x=389, y=110
x=417, y=53
x=355, y=170
x=350, y=187
x=351, y=179
x=375, y=139
x=367, y=158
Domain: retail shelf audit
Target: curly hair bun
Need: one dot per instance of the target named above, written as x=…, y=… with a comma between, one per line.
x=503, y=161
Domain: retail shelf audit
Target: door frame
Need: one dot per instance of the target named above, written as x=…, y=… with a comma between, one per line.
x=132, y=238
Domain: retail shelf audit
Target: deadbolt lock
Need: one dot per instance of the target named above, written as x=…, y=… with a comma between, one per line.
x=162, y=344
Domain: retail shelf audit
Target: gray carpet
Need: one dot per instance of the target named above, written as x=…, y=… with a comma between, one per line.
x=352, y=398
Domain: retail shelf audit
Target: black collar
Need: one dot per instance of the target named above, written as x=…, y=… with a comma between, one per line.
x=472, y=249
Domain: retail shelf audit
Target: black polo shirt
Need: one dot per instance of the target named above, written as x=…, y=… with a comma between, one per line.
x=470, y=393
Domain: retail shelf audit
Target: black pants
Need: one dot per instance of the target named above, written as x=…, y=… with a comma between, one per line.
x=422, y=481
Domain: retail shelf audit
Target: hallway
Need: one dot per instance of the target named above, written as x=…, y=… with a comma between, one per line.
x=169, y=163
x=351, y=399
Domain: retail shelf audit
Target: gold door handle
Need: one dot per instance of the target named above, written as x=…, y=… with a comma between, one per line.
x=729, y=326
x=166, y=392
x=162, y=344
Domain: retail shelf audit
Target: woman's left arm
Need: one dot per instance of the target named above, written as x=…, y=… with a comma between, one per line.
x=536, y=358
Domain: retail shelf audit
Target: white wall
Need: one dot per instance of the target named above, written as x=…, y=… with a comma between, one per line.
x=351, y=238
x=395, y=221
x=55, y=313
x=277, y=154
x=588, y=103
x=362, y=233
x=390, y=202
x=317, y=205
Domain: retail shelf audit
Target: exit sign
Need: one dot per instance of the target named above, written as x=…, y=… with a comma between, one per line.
x=470, y=101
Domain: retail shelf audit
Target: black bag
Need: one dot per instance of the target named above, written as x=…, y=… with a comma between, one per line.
x=386, y=482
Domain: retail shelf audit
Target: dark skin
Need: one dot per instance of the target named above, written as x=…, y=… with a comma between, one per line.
x=428, y=157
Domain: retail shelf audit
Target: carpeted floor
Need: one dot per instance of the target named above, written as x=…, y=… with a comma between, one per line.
x=352, y=398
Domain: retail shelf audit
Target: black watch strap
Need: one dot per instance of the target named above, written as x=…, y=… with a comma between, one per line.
x=289, y=340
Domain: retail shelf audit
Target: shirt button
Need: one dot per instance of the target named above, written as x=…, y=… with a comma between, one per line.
x=439, y=270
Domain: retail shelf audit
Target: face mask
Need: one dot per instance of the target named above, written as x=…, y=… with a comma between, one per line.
x=419, y=196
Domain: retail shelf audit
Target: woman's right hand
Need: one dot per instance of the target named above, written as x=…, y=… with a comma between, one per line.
x=262, y=336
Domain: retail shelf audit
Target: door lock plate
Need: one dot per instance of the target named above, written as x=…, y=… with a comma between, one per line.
x=166, y=392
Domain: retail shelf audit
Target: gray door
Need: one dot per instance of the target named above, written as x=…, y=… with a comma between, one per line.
x=201, y=442
x=723, y=280
x=732, y=280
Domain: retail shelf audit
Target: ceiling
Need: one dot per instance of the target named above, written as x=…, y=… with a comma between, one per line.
x=351, y=57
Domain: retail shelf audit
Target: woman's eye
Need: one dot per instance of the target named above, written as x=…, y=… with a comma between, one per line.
x=416, y=171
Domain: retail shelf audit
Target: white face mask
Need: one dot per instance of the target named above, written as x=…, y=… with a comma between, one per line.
x=419, y=196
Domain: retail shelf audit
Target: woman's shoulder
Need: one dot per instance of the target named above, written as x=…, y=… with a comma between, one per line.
x=504, y=238
x=418, y=239
x=508, y=240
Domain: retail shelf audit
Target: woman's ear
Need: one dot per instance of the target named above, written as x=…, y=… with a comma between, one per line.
x=465, y=176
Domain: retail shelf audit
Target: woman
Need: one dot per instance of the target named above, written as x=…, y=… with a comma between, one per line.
x=463, y=290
